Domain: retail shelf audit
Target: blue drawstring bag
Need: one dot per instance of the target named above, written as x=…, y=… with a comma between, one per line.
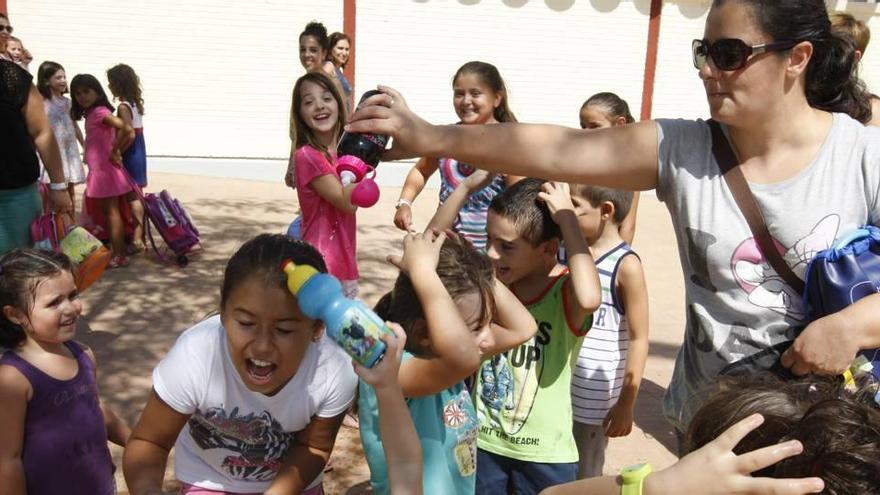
x=841, y=275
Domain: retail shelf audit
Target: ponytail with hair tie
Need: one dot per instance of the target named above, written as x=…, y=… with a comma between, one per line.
x=833, y=82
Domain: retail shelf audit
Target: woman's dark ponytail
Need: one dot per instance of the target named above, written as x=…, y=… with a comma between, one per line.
x=833, y=82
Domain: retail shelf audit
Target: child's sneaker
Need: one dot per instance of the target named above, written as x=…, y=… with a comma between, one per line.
x=118, y=262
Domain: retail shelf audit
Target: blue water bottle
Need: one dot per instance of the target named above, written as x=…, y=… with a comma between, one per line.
x=354, y=326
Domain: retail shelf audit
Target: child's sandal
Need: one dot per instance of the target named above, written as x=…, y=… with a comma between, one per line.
x=136, y=247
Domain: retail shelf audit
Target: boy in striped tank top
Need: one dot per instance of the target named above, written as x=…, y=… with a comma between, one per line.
x=612, y=357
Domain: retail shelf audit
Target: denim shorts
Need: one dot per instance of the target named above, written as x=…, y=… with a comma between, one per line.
x=501, y=475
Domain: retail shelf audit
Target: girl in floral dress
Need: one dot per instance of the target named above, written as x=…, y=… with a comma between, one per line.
x=52, y=83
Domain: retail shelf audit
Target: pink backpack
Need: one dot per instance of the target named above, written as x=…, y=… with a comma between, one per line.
x=175, y=226
x=169, y=217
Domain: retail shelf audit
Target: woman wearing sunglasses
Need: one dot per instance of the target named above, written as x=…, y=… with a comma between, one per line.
x=5, y=34
x=785, y=89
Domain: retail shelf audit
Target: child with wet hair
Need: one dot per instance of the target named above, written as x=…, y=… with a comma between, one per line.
x=761, y=434
x=523, y=396
x=839, y=428
x=455, y=313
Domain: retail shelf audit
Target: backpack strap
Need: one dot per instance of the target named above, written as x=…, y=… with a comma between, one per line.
x=749, y=208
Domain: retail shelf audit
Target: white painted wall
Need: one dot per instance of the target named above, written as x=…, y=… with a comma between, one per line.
x=678, y=92
x=552, y=54
x=868, y=12
x=217, y=74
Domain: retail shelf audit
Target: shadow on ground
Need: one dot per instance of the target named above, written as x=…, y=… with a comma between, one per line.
x=647, y=417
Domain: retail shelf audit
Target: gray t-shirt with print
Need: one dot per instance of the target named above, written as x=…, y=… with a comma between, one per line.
x=736, y=304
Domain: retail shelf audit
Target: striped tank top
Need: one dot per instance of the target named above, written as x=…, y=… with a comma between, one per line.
x=471, y=220
x=598, y=376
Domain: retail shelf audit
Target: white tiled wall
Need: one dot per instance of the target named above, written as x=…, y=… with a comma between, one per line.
x=217, y=74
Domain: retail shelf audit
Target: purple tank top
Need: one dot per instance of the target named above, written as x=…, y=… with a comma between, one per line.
x=65, y=441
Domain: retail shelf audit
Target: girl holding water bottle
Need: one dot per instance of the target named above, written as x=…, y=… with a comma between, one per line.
x=328, y=214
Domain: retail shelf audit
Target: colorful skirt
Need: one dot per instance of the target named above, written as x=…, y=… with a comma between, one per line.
x=135, y=159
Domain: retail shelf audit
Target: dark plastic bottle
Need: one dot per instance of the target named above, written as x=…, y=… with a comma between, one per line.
x=357, y=150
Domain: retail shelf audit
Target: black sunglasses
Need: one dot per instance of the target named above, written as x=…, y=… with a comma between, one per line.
x=7, y=28
x=731, y=53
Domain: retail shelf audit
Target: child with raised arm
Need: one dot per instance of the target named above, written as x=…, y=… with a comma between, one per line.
x=328, y=215
x=523, y=396
x=454, y=313
x=400, y=442
x=612, y=358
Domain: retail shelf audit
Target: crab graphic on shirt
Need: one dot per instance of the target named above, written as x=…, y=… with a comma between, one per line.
x=765, y=288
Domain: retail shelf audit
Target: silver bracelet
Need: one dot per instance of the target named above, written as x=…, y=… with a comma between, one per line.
x=57, y=186
x=401, y=202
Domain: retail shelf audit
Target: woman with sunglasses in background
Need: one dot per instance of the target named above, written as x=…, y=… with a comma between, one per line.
x=5, y=34
x=24, y=133
x=785, y=90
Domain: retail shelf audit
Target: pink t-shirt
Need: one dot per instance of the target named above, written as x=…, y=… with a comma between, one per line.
x=331, y=231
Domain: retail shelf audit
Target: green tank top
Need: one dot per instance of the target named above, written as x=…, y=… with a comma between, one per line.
x=523, y=397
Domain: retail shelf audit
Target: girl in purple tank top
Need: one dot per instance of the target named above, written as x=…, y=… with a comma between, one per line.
x=55, y=431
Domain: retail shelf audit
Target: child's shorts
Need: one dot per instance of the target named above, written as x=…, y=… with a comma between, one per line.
x=500, y=475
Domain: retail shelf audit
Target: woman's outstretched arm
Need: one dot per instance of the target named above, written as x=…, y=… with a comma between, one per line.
x=620, y=157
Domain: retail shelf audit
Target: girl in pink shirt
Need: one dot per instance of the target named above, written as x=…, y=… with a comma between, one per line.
x=328, y=216
x=106, y=137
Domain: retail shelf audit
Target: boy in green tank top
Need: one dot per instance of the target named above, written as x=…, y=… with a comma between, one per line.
x=523, y=396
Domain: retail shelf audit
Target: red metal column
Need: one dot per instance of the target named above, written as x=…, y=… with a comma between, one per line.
x=349, y=27
x=651, y=58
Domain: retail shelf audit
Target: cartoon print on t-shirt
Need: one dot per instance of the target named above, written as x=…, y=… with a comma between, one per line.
x=764, y=287
x=458, y=420
x=510, y=382
x=698, y=247
x=253, y=445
